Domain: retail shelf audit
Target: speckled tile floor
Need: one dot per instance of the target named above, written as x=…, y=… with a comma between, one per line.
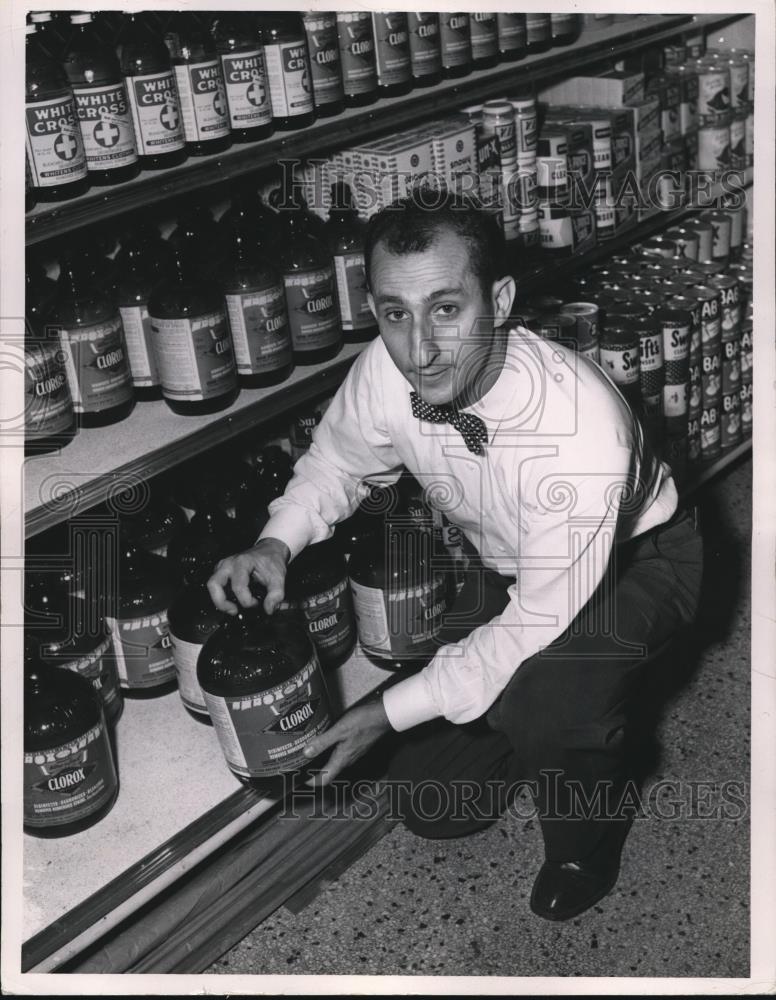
x=415, y=907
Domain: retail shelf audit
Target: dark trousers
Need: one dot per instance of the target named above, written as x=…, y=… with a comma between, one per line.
x=561, y=726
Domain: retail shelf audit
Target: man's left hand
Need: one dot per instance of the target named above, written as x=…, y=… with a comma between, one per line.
x=351, y=736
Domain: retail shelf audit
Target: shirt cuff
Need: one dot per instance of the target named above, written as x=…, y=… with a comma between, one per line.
x=292, y=526
x=409, y=703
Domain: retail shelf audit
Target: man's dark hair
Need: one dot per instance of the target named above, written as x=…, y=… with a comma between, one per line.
x=410, y=226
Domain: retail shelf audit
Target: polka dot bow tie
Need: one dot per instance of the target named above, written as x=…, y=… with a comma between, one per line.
x=471, y=428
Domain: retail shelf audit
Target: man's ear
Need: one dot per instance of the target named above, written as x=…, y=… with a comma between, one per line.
x=502, y=297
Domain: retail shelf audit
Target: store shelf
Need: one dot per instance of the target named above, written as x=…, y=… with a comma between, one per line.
x=177, y=804
x=152, y=439
x=97, y=462
x=154, y=187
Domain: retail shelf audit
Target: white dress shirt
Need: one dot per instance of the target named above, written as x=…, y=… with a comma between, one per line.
x=565, y=475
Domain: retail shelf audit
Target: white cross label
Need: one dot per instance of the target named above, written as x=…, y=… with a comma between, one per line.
x=247, y=91
x=53, y=141
x=153, y=99
x=106, y=126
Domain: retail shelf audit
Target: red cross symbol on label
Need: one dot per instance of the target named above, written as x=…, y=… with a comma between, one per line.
x=218, y=104
x=107, y=134
x=65, y=146
x=256, y=94
x=169, y=117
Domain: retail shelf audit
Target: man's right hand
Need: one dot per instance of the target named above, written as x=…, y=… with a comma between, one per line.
x=266, y=563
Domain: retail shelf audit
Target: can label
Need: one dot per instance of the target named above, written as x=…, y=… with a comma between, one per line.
x=526, y=131
x=329, y=617
x=455, y=39
x=694, y=438
x=484, y=35
x=185, y=655
x=711, y=328
x=357, y=52
x=730, y=424
x=746, y=355
x=730, y=313
x=511, y=32
x=195, y=356
x=651, y=367
x=713, y=95
x=711, y=381
x=620, y=363
x=745, y=394
x=265, y=733
x=749, y=137
x=392, y=51
x=552, y=174
x=143, y=650
x=351, y=291
x=106, y=126
x=696, y=389
x=260, y=334
x=720, y=239
x=555, y=228
x=69, y=782
x=97, y=366
x=676, y=351
x=312, y=309
x=49, y=406
x=425, y=57
x=688, y=106
x=153, y=100
x=675, y=400
x=739, y=84
x=301, y=432
x=713, y=147
x=710, y=432
x=203, y=101
x=247, y=90
x=738, y=141
x=323, y=49
x=55, y=149
x=138, y=335
x=731, y=366
x=399, y=622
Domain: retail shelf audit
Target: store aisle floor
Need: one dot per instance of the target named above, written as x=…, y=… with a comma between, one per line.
x=681, y=907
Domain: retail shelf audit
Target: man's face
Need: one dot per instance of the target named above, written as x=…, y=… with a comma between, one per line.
x=436, y=324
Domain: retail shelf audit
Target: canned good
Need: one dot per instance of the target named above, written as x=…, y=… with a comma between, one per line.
x=498, y=119
x=585, y=316
x=745, y=395
x=685, y=241
x=738, y=139
x=651, y=368
x=711, y=376
x=709, y=269
x=521, y=190
x=746, y=355
x=730, y=429
x=694, y=439
x=673, y=288
x=730, y=310
x=556, y=230
x=743, y=274
x=714, y=142
x=687, y=77
x=650, y=299
x=524, y=111
x=711, y=446
x=695, y=382
x=713, y=89
x=658, y=245
x=675, y=327
x=552, y=165
x=731, y=366
x=705, y=234
x=720, y=234
x=711, y=328
x=749, y=136
x=734, y=207
x=690, y=309
x=739, y=82
x=619, y=353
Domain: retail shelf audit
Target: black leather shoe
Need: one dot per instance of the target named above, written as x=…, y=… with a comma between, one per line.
x=564, y=889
